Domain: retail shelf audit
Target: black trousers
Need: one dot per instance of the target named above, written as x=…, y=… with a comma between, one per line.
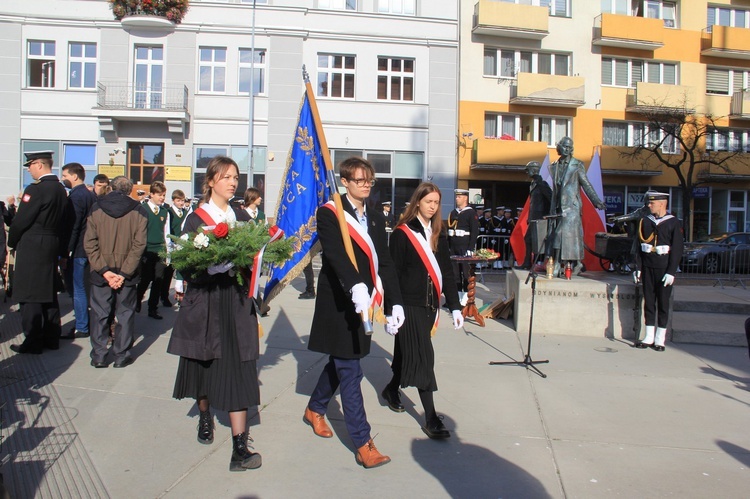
x=166, y=282
x=309, y=278
x=461, y=271
x=103, y=301
x=41, y=324
x=655, y=297
x=152, y=271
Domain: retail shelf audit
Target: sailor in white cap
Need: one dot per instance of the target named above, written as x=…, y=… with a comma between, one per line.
x=660, y=238
x=388, y=215
x=463, y=229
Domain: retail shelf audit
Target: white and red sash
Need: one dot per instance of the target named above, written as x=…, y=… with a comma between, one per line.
x=430, y=263
x=258, y=263
x=364, y=241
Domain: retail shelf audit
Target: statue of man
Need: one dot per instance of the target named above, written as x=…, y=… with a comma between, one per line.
x=565, y=237
x=540, y=194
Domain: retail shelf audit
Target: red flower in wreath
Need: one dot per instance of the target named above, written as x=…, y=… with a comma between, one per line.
x=221, y=230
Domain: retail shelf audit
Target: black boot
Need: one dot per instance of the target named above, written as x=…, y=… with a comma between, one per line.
x=206, y=428
x=243, y=459
x=435, y=428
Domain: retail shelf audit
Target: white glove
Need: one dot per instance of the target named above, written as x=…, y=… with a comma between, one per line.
x=668, y=280
x=390, y=326
x=398, y=316
x=220, y=269
x=360, y=298
x=636, y=276
x=458, y=319
x=469, y=253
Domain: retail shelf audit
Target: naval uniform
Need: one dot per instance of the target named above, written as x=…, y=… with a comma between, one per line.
x=660, y=253
x=463, y=228
x=38, y=236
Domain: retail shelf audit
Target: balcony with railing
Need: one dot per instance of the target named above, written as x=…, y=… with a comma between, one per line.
x=510, y=20
x=656, y=98
x=533, y=89
x=740, y=107
x=630, y=32
x=120, y=101
x=726, y=41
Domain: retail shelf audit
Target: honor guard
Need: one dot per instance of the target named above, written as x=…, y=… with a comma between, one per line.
x=389, y=222
x=485, y=223
x=660, y=239
x=463, y=228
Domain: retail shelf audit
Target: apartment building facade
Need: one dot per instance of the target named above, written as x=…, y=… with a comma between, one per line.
x=533, y=71
x=153, y=99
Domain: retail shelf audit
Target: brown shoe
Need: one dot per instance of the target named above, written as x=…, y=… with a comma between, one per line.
x=318, y=423
x=369, y=457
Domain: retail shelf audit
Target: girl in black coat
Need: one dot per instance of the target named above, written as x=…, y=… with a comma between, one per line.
x=419, y=249
x=216, y=331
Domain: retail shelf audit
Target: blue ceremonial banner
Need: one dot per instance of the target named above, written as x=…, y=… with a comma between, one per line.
x=303, y=191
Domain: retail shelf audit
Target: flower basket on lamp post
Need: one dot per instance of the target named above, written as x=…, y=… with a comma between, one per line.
x=169, y=10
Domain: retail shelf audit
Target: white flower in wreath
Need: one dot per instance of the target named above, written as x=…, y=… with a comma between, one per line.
x=200, y=241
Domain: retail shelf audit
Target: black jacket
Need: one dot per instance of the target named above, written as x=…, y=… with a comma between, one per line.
x=38, y=234
x=81, y=200
x=336, y=327
x=412, y=274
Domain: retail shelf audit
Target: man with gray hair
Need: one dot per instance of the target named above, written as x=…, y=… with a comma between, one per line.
x=114, y=242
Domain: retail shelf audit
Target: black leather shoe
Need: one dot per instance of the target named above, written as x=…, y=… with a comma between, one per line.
x=638, y=344
x=242, y=458
x=155, y=315
x=167, y=303
x=307, y=295
x=435, y=429
x=205, y=428
x=70, y=335
x=393, y=399
x=658, y=348
x=23, y=348
x=123, y=362
x=99, y=364
x=81, y=334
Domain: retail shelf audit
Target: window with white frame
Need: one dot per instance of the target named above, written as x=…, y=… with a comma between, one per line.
x=727, y=16
x=395, y=78
x=212, y=69
x=728, y=139
x=527, y=128
x=628, y=72
x=255, y=63
x=82, y=65
x=661, y=9
x=556, y=7
x=507, y=63
x=621, y=7
x=337, y=4
x=720, y=81
x=40, y=69
x=635, y=133
x=336, y=76
x=406, y=7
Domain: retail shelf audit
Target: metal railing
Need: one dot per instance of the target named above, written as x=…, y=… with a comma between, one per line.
x=719, y=262
x=120, y=95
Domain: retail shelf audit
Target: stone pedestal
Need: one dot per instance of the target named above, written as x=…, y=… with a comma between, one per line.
x=595, y=304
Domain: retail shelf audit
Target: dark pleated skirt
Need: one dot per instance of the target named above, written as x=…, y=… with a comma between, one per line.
x=228, y=383
x=414, y=350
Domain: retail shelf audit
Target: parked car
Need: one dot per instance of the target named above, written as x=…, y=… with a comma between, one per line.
x=718, y=254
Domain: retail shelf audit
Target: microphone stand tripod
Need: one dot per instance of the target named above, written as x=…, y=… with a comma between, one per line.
x=527, y=361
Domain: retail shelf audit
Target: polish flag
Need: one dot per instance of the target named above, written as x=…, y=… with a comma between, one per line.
x=517, y=242
x=591, y=217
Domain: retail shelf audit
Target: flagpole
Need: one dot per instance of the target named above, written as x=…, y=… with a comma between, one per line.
x=333, y=186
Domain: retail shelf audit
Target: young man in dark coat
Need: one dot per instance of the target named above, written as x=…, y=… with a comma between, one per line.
x=344, y=292
x=114, y=241
x=80, y=200
x=153, y=265
x=38, y=236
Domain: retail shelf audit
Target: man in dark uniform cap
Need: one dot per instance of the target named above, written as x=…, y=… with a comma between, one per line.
x=389, y=222
x=463, y=228
x=660, y=238
x=37, y=235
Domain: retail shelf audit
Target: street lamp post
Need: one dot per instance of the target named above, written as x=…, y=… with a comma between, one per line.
x=251, y=107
